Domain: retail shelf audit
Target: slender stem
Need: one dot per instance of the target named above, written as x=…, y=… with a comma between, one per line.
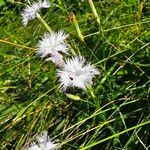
x=44, y=23
x=90, y=89
x=96, y=16
x=18, y=45
x=72, y=50
x=75, y=23
x=94, y=11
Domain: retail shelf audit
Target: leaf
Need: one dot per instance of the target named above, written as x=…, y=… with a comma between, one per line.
x=73, y=97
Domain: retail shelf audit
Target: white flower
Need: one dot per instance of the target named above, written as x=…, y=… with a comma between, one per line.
x=52, y=44
x=75, y=73
x=44, y=4
x=30, y=12
x=43, y=143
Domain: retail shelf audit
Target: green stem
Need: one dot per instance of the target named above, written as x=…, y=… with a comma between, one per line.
x=97, y=18
x=75, y=23
x=94, y=11
x=78, y=30
x=44, y=23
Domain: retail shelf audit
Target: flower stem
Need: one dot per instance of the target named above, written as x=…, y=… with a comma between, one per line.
x=94, y=11
x=75, y=22
x=90, y=89
x=96, y=16
x=44, y=23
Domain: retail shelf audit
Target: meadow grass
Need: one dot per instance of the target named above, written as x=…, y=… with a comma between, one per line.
x=114, y=113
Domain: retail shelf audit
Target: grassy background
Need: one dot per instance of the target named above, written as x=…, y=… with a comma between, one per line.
x=117, y=114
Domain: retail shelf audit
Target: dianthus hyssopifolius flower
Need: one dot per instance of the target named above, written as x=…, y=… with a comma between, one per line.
x=75, y=73
x=43, y=143
x=51, y=46
x=30, y=12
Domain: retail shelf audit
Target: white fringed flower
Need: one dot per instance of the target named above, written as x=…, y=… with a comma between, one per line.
x=75, y=73
x=30, y=12
x=51, y=45
x=44, y=4
x=43, y=143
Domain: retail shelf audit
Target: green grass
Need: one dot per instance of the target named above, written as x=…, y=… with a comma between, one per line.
x=114, y=114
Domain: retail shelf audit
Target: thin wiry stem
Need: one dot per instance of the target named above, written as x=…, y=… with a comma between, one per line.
x=44, y=22
x=14, y=44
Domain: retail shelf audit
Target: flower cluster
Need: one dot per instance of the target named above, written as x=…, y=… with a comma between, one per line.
x=30, y=12
x=43, y=143
x=73, y=72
